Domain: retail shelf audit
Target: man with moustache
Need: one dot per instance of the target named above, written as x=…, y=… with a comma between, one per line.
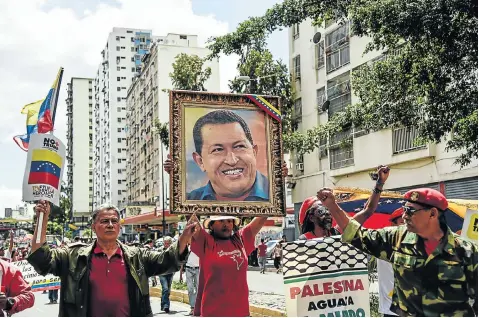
x=225, y=151
x=435, y=270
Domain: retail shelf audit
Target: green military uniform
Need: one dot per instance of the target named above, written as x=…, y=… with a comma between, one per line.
x=440, y=284
x=72, y=264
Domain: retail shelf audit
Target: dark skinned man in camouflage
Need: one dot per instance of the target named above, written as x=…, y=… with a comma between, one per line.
x=435, y=270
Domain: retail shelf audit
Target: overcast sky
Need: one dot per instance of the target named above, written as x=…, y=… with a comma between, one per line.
x=39, y=36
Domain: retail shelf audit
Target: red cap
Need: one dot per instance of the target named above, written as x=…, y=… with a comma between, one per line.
x=427, y=196
x=305, y=207
x=396, y=214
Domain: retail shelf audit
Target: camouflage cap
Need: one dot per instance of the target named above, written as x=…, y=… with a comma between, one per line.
x=427, y=196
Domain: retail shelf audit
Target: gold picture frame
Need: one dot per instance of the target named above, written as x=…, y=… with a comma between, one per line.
x=184, y=103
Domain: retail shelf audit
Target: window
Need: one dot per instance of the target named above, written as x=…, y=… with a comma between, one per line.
x=118, y=130
x=119, y=120
x=132, y=69
x=337, y=48
x=123, y=68
x=295, y=31
x=320, y=99
x=119, y=191
x=128, y=31
x=122, y=57
x=132, y=39
x=90, y=90
x=339, y=94
x=118, y=38
x=341, y=157
x=183, y=37
x=119, y=160
x=118, y=89
x=119, y=150
x=133, y=49
x=323, y=148
x=122, y=47
x=298, y=110
x=320, y=55
x=117, y=68
x=297, y=67
x=119, y=139
x=133, y=59
x=118, y=109
x=119, y=181
x=118, y=99
x=117, y=48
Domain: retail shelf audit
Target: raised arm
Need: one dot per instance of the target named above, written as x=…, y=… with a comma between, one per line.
x=374, y=242
x=44, y=259
x=171, y=259
x=372, y=203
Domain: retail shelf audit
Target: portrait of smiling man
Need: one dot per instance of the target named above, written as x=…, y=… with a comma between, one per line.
x=226, y=152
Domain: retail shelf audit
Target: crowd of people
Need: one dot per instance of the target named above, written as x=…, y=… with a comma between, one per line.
x=428, y=269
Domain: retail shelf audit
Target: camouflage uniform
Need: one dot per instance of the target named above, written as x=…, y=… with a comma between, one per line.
x=440, y=284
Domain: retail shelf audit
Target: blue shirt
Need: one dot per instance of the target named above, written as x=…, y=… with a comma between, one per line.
x=259, y=191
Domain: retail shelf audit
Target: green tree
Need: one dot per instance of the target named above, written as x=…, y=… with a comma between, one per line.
x=189, y=73
x=429, y=83
x=87, y=233
x=267, y=77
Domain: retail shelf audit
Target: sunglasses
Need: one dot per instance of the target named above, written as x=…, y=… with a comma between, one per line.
x=409, y=210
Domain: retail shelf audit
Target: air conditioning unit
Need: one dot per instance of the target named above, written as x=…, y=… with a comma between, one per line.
x=300, y=166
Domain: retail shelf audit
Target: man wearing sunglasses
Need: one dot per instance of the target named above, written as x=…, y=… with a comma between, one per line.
x=316, y=221
x=435, y=270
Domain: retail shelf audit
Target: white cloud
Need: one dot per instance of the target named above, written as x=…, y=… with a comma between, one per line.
x=34, y=43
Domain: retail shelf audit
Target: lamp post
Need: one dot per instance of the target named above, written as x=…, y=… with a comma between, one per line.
x=162, y=189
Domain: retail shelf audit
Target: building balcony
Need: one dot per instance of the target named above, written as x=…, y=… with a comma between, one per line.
x=385, y=147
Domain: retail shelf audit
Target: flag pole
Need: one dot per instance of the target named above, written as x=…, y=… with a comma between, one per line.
x=57, y=94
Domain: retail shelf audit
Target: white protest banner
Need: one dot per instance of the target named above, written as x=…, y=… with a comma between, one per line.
x=325, y=278
x=36, y=281
x=469, y=227
x=44, y=168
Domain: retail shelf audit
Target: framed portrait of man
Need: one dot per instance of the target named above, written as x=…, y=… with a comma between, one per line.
x=227, y=155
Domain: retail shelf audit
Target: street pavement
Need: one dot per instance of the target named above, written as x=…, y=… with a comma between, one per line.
x=42, y=308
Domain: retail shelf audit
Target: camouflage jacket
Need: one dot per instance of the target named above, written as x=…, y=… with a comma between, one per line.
x=441, y=284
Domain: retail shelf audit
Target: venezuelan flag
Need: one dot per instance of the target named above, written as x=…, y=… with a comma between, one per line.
x=40, y=114
x=45, y=168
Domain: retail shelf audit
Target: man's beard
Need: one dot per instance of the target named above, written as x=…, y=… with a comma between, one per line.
x=325, y=223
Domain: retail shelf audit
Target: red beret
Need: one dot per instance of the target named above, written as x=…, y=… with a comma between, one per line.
x=397, y=213
x=305, y=207
x=427, y=196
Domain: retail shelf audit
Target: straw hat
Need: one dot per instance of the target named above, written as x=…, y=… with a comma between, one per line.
x=219, y=218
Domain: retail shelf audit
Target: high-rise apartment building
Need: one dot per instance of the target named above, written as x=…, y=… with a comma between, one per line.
x=322, y=72
x=121, y=61
x=148, y=100
x=80, y=147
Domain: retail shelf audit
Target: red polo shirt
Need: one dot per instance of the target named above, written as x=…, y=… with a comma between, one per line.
x=108, y=285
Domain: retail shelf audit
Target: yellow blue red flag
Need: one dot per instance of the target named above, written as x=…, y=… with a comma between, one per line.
x=40, y=114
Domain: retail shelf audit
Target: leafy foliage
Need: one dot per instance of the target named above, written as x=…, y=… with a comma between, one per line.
x=267, y=77
x=429, y=83
x=188, y=73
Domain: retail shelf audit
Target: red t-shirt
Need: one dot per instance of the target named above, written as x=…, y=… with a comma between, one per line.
x=430, y=246
x=108, y=285
x=262, y=250
x=223, y=287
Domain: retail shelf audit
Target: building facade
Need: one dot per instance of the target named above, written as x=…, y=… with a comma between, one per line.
x=322, y=72
x=148, y=100
x=121, y=61
x=80, y=148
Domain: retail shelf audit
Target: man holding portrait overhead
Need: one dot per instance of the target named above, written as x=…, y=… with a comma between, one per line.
x=226, y=152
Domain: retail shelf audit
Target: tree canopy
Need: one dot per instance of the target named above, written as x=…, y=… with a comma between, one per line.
x=430, y=83
x=188, y=73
